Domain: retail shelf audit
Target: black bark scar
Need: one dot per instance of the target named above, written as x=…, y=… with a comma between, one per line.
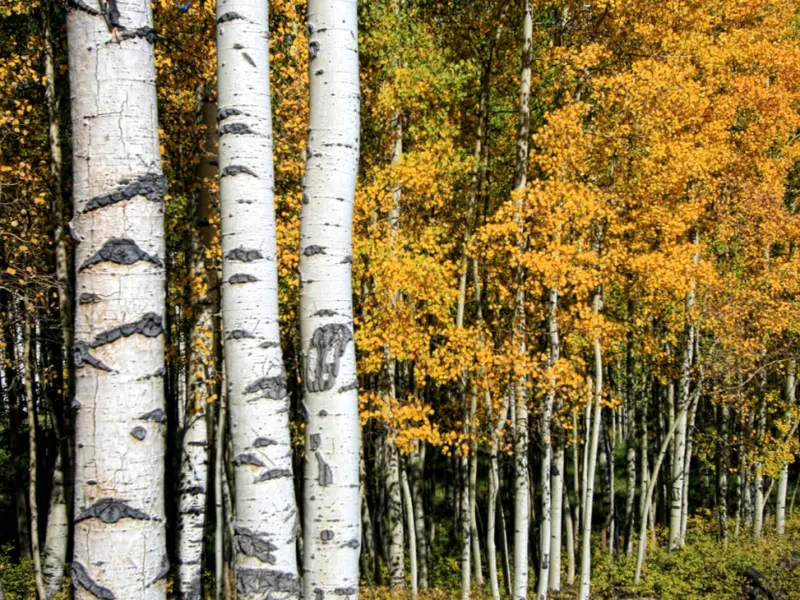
x=325, y=350
x=274, y=387
x=120, y=251
x=237, y=170
x=109, y=510
x=242, y=254
x=253, y=543
x=80, y=578
x=325, y=477
x=152, y=186
x=264, y=583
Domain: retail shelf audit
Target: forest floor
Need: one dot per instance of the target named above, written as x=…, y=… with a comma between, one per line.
x=703, y=569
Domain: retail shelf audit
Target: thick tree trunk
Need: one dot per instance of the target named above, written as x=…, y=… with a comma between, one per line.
x=265, y=509
x=119, y=349
x=331, y=531
x=30, y=402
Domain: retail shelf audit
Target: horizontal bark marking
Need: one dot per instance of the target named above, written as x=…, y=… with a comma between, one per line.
x=80, y=577
x=269, y=344
x=139, y=432
x=325, y=350
x=249, y=59
x=248, y=459
x=354, y=543
x=255, y=544
x=199, y=444
x=347, y=260
x=162, y=572
x=111, y=510
x=273, y=474
x=230, y=16
x=157, y=416
x=323, y=413
x=348, y=591
x=152, y=186
x=314, y=249
x=159, y=372
x=238, y=334
x=86, y=298
x=263, y=442
x=313, y=50
x=319, y=594
x=195, y=589
x=319, y=72
x=236, y=129
x=316, y=441
x=149, y=326
x=120, y=251
x=242, y=278
x=353, y=385
x=325, y=476
x=264, y=582
x=273, y=387
x=237, y=170
x=193, y=490
x=224, y=113
x=81, y=358
x=325, y=312
x=144, y=33
x=242, y=254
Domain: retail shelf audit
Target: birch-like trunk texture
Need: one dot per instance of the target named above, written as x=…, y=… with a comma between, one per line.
x=630, y=443
x=590, y=467
x=521, y=482
x=547, y=471
x=789, y=385
x=57, y=535
x=219, y=500
x=687, y=462
x=723, y=464
x=477, y=566
x=331, y=529
x=258, y=402
x=412, y=532
x=416, y=464
x=30, y=402
x=758, y=473
x=466, y=529
x=653, y=479
x=394, y=516
x=118, y=226
x=497, y=425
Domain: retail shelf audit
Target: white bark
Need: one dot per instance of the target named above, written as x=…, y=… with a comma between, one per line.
x=586, y=538
x=412, y=533
x=118, y=188
x=394, y=516
x=55, y=546
x=219, y=500
x=265, y=510
x=332, y=492
x=494, y=488
x=790, y=382
x=569, y=532
x=417, y=467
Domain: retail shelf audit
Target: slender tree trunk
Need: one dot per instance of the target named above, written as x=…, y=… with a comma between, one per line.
x=586, y=540
x=606, y=482
x=521, y=482
x=28, y=359
x=569, y=532
x=576, y=475
x=412, y=531
x=758, y=476
x=687, y=461
x=466, y=529
x=394, y=517
x=723, y=466
x=367, y=530
x=473, y=487
x=552, y=469
x=630, y=443
x=57, y=536
x=219, y=500
x=331, y=530
x=494, y=491
x=649, y=494
x=783, y=480
x=119, y=349
x=417, y=470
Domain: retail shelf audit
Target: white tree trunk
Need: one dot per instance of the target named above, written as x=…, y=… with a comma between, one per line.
x=332, y=523
x=417, y=467
x=55, y=546
x=790, y=382
x=412, y=532
x=118, y=188
x=590, y=467
x=494, y=488
x=258, y=403
x=569, y=532
x=394, y=516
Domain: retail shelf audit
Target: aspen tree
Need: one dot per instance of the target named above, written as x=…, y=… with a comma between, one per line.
x=264, y=501
x=118, y=188
x=331, y=531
